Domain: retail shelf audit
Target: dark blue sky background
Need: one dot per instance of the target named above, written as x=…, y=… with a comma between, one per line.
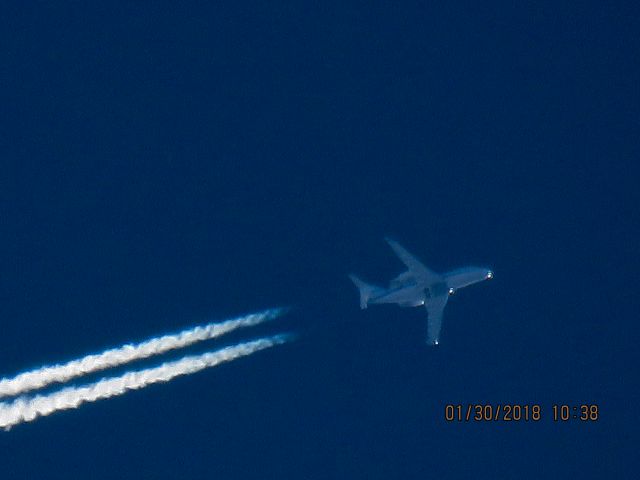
x=167, y=164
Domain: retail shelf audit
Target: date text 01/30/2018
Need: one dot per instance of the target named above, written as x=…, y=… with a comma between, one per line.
x=520, y=412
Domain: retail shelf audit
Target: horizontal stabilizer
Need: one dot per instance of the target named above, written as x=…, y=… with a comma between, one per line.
x=366, y=290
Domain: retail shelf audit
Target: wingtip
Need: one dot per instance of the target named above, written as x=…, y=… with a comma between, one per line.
x=391, y=242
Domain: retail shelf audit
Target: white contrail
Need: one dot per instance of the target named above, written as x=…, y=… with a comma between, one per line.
x=43, y=376
x=28, y=409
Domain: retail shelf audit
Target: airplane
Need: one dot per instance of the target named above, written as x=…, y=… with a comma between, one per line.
x=420, y=286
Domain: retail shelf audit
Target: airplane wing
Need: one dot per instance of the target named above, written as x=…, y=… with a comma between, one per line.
x=415, y=266
x=435, y=310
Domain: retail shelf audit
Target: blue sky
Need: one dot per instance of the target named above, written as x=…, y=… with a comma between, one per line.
x=165, y=165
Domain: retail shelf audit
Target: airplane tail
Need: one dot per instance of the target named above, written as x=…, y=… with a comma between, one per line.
x=366, y=290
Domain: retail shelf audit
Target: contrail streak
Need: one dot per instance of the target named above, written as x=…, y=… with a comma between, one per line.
x=43, y=376
x=28, y=409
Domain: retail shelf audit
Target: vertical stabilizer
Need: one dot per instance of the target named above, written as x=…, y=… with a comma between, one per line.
x=366, y=290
